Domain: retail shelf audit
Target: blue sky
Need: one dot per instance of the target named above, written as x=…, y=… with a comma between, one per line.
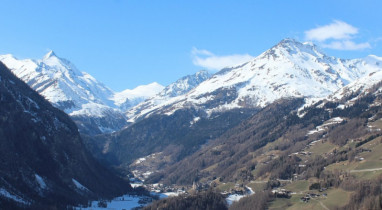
x=127, y=43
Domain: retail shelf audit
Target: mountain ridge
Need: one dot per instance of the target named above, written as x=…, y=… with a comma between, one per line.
x=223, y=101
x=77, y=93
x=288, y=69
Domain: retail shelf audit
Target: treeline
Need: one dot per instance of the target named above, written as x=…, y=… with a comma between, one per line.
x=232, y=154
x=208, y=200
x=257, y=201
x=212, y=200
x=367, y=193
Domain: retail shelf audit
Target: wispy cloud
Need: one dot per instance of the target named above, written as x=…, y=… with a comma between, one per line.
x=336, y=30
x=337, y=35
x=208, y=60
x=378, y=39
x=346, y=45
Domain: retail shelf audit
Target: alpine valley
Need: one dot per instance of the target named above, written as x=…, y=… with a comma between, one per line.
x=291, y=128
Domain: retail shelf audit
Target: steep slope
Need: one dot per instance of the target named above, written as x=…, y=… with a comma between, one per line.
x=185, y=84
x=178, y=88
x=328, y=151
x=231, y=155
x=77, y=93
x=94, y=107
x=171, y=138
x=347, y=95
x=367, y=81
x=278, y=141
x=330, y=155
x=289, y=69
x=44, y=164
x=59, y=81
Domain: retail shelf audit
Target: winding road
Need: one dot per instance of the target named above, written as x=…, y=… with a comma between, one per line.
x=365, y=170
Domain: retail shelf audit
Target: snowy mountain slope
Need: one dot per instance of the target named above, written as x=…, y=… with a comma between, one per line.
x=59, y=81
x=129, y=98
x=178, y=88
x=289, y=69
x=185, y=84
x=95, y=107
x=374, y=76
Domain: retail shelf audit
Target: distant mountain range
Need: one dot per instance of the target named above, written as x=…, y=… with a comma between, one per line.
x=95, y=108
x=289, y=69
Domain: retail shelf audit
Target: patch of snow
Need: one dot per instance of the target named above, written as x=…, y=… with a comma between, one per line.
x=171, y=194
x=323, y=127
x=136, y=184
x=40, y=181
x=91, y=109
x=335, y=120
x=119, y=203
x=234, y=197
x=140, y=160
x=196, y=119
x=147, y=174
x=317, y=130
x=6, y=194
x=79, y=185
x=250, y=190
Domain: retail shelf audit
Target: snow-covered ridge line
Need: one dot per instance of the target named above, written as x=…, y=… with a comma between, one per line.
x=288, y=69
x=169, y=94
x=75, y=92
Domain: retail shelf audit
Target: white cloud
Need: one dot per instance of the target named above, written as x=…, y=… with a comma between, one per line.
x=378, y=39
x=196, y=51
x=337, y=35
x=347, y=45
x=336, y=30
x=208, y=60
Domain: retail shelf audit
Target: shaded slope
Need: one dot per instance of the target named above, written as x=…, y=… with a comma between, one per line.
x=44, y=163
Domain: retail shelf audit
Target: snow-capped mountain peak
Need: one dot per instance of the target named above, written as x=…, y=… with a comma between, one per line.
x=77, y=93
x=290, y=49
x=49, y=54
x=288, y=69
